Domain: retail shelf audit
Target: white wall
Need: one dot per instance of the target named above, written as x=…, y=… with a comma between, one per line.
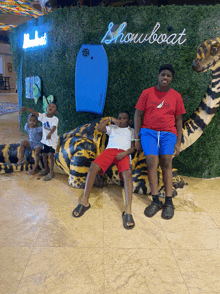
x=1, y=66
x=6, y=56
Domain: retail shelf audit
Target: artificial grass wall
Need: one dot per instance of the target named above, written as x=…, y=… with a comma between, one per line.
x=132, y=67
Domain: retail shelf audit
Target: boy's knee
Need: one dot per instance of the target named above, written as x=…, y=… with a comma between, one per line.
x=51, y=155
x=94, y=167
x=24, y=143
x=127, y=174
x=166, y=162
x=37, y=151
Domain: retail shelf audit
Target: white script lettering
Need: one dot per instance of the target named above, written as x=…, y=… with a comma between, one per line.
x=121, y=37
x=35, y=42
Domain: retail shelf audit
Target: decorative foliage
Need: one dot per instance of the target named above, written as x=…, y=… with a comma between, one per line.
x=132, y=67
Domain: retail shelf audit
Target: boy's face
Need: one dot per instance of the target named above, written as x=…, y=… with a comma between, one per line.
x=165, y=77
x=51, y=109
x=123, y=120
x=32, y=121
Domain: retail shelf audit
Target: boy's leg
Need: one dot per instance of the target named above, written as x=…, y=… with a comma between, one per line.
x=90, y=179
x=166, y=166
x=156, y=204
x=36, y=160
x=51, y=156
x=167, y=143
x=152, y=165
x=45, y=162
x=128, y=186
x=23, y=146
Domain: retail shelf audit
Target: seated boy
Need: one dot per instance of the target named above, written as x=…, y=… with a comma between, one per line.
x=119, y=147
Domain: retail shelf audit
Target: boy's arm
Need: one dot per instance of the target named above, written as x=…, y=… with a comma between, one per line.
x=51, y=132
x=179, y=126
x=137, y=126
x=29, y=110
x=102, y=126
x=123, y=154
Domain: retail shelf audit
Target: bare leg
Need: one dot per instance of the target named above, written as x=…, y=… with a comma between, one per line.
x=36, y=161
x=23, y=146
x=93, y=170
x=152, y=164
x=51, y=156
x=45, y=162
x=128, y=186
x=166, y=165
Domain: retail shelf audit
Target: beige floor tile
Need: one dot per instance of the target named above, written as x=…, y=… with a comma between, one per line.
x=215, y=216
x=13, y=262
x=74, y=196
x=200, y=270
x=20, y=220
x=187, y=230
x=152, y=271
x=147, y=233
x=186, y=200
x=63, y=270
x=206, y=193
x=63, y=230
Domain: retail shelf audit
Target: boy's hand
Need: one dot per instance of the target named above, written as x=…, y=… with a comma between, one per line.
x=177, y=149
x=48, y=136
x=121, y=155
x=22, y=109
x=138, y=146
x=115, y=121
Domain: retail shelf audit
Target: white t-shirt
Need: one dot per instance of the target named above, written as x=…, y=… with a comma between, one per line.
x=47, y=124
x=119, y=138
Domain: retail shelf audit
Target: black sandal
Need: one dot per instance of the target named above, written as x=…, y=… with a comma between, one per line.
x=168, y=211
x=152, y=209
x=127, y=218
x=81, y=209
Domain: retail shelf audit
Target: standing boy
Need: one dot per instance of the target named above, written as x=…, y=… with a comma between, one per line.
x=159, y=136
x=117, y=151
x=49, y=138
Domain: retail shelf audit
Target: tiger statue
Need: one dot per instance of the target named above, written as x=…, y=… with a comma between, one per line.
x=78, y=148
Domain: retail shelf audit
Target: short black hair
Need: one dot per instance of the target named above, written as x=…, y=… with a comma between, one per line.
x=127, y=112
x=32, y=115
x=168, y=67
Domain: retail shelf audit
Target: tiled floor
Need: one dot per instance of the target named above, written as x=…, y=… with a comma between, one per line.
x=44, y=250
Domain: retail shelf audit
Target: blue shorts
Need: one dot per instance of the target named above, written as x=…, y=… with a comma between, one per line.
x=157, y=142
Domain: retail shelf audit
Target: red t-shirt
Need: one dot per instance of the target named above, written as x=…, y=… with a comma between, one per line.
x=160, y=109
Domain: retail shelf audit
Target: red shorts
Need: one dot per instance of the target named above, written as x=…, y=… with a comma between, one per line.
x=108, y=156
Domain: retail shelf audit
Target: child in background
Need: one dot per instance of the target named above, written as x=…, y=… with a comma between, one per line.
x=35, y=136
x=119, y=147
x=49, y=139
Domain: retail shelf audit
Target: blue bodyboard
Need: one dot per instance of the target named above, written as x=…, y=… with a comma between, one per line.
x=91, y=78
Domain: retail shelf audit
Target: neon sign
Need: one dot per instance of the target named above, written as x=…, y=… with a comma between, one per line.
x=121, y=37
x=34, y=42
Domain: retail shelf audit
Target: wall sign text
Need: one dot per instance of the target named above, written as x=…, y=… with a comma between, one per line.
x=120, y=37
x=34, y=42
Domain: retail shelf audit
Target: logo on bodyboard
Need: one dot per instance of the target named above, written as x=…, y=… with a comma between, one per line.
x=85, y=52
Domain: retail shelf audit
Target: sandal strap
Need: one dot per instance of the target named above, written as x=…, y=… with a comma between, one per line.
x=129, y=218
x=156, y=204
x=169, y=205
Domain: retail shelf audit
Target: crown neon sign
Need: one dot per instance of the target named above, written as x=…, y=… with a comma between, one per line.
x=34, y=42
x=121, y=37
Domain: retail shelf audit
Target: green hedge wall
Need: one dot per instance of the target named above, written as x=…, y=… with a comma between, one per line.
x=132, y=67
